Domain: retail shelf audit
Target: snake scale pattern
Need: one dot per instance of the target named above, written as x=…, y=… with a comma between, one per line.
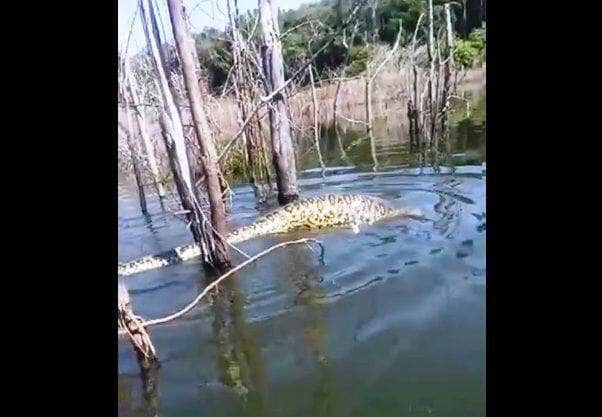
x=330, y=210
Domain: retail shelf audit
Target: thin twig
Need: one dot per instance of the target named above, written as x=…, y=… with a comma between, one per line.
x=226, y=275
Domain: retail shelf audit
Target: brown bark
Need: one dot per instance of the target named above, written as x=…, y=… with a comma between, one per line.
x=203, y=133
x=137, y=334
x=283, y=155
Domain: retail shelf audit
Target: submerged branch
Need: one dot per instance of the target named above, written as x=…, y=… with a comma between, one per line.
x=227, y=274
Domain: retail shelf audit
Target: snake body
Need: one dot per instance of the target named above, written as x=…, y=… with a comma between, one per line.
x=331, y=210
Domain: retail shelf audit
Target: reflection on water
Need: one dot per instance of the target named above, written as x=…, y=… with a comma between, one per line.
x=348, y=144
x=240, y=362
x=392, y=324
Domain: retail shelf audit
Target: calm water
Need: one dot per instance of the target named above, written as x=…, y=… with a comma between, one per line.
x=392, y=325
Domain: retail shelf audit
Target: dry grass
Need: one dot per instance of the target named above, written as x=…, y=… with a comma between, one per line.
x=388, y=104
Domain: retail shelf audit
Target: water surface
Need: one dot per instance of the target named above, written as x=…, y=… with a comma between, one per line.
x=393, y=324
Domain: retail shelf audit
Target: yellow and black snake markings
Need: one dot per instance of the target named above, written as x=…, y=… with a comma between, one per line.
x=330, y=210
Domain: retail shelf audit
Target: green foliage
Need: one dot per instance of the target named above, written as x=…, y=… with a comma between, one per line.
x=234, y=167
x=324, y=18
x=316, y=23
x=294, y=48
x=391, y=12
x=471, y=51
x=478, y=39
x=360, y=55
x=214, y=56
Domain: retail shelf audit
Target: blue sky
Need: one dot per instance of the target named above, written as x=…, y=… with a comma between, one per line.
x=203, y=13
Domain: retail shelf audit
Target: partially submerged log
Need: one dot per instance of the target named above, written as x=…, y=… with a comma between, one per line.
x=134, y=328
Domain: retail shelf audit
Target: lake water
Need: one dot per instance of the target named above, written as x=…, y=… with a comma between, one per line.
x=393, y=324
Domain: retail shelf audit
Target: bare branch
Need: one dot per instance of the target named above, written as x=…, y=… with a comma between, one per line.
x=226, y=275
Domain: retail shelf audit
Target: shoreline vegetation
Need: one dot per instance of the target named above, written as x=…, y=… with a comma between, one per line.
x=387, y=101
x=391, y=38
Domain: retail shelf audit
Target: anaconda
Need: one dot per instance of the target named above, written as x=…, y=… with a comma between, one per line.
x=331, y=210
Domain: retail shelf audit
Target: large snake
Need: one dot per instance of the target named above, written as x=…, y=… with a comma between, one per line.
x=331, y=210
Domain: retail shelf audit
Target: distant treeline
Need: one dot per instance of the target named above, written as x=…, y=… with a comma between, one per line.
x=311, y=26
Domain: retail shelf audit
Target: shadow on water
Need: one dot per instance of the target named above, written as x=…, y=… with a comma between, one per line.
x=147, y=405
x=306, y=279
x=393, y=324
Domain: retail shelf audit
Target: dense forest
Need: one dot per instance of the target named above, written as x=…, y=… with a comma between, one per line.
x=316, y=23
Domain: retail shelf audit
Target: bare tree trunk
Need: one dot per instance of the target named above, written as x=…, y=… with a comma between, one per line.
x=243, y=95
x=129, y=138
x=173, y=135
x=449, y=63
x=149, y=149
x=369, y=80
x=368, y=99
x=203, y=133
x=283, y=154
x=316, y=127
x=431, y=56
x=171, y=109
x=348, y=46
x=413, y=98
x=449, y=31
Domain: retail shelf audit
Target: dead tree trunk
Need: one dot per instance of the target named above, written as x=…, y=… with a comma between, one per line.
x=283, y=154
x=413, y=98
x=316, y=127
x=203, y=133
x=173, y=135
x=431, y=56
x=348, y=45
x=243, y=92
x=449, y=64
x=369, y=117
x=129, y=138
x=157, y=59
x=149, y=148
x=369, y=80
x=128, y=131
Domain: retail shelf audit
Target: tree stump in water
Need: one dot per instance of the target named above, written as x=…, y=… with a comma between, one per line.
x=132, y=324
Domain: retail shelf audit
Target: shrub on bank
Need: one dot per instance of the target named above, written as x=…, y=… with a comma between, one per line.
x=471, y=51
